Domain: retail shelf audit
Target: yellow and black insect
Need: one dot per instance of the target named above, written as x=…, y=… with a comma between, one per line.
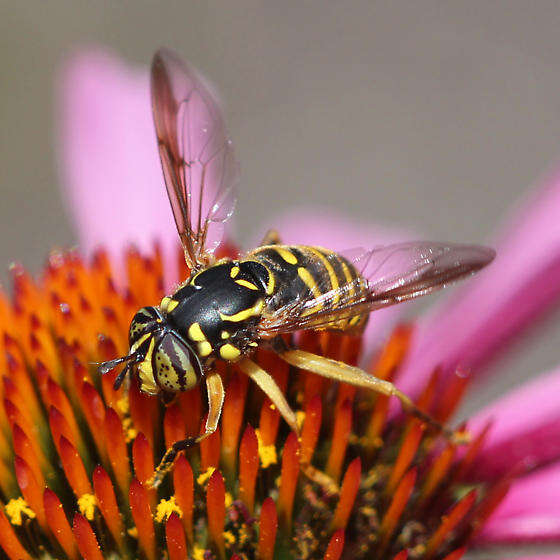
x=225, y=310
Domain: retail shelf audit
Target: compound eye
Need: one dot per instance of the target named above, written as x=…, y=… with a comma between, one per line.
x=141, y=323
x=177, y=368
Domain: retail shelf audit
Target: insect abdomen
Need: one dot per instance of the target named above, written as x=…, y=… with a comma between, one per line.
x=301, y=271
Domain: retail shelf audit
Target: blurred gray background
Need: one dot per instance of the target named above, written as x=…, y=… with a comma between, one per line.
x=435, y=115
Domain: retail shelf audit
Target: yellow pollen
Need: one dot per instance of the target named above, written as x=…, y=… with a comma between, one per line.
x=130, y=431
x=165, y=508
x=86, y=504
x=234, y=272
x=267, y=453
x=228, y=499
x=300, y=417
x=243, y=535
x=16, y=508
x=131, y=434
x=198, y=553
x=202, y=478
x=229, y=537
x=195, y=333
x=122, y=405
x=246, y=284
x=229, y=352
x=133, y=532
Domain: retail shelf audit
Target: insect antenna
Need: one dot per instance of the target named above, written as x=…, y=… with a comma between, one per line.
x=106, y=367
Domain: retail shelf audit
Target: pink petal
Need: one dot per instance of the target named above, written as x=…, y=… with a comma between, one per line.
x=334, y=230
x=520, y=286
x=109, y=160
x=530, y=512
x=525, y=430
x=324, y=228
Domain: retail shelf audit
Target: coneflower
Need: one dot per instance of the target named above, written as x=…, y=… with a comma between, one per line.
x=77, y=454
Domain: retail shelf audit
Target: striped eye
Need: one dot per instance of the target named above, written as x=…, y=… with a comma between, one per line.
x=176, y=366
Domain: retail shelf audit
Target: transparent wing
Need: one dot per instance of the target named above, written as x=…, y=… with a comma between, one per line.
x=387, y=275
x=197, y=158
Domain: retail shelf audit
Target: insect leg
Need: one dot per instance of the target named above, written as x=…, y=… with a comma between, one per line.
x=167, y=398
x=216, y=393
x=121, y=377
x=271, y=237
x=266, y=382
x=339, y=371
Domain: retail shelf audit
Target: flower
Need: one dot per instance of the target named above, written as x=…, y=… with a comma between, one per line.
x=521, y=286
x=237, y=494
x=76, y=453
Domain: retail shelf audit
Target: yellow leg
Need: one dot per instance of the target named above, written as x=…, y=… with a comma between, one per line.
x=266, y=382
x=339, y=371
x=216, y=395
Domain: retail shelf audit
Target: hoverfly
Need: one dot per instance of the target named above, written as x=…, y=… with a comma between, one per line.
x=226, y=309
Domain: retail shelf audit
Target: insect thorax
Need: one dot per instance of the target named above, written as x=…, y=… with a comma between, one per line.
x=216, y=311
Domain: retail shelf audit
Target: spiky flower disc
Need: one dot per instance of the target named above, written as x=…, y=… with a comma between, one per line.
x=75, y=454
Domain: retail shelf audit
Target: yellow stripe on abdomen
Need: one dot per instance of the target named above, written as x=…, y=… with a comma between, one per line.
x=309, y=281
x=312, y=273
x=286, y=254
x=330, y=271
